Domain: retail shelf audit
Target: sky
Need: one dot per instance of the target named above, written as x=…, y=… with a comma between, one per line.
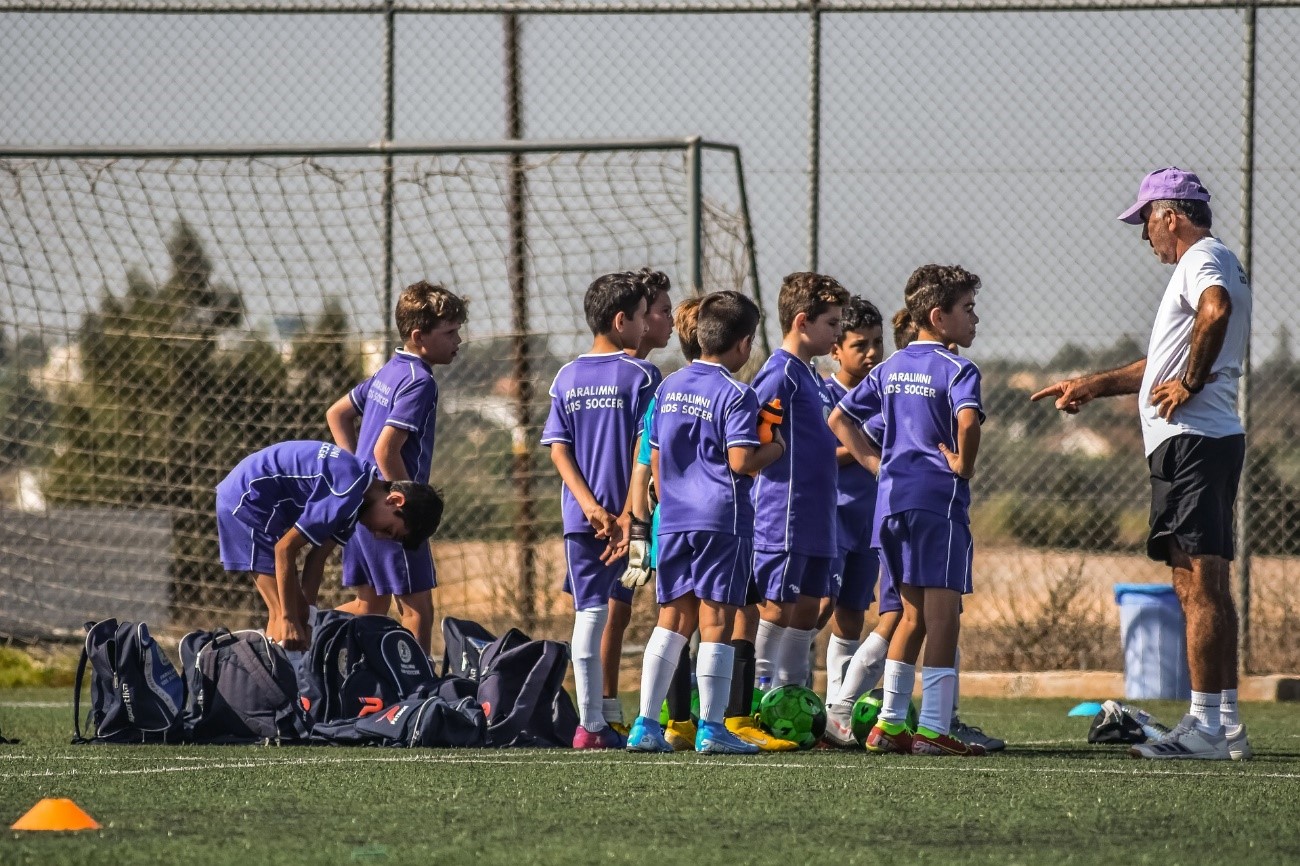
x=1005, y=142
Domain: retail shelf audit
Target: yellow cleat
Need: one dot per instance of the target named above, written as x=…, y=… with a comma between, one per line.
x=620, y=728
x=680, y=735
x=746, y=727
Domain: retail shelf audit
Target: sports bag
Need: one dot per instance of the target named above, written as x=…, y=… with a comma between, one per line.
x=358, y=665
x=521, y=690
x=136, y=695
x=463, y=641
x=241, y=689
x=426, y=719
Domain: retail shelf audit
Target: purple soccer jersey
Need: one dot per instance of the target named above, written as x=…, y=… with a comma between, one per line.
x=597, y=406
x=855, y=501
x=314, y=486
x=402, y=394
x=794, y=497
x=702, y=411
x=918, y=391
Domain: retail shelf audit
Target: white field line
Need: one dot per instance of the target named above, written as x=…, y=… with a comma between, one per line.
x=36, y=705
x=721, y=764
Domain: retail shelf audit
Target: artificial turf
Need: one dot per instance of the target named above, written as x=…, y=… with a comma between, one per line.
x=1050, y=798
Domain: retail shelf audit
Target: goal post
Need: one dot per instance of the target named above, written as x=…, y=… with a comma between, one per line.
x=164, y=311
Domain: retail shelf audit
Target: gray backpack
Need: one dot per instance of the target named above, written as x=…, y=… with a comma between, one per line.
x=241, y=688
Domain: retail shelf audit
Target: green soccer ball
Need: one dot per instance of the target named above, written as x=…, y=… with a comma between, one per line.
x=793, y=713
x=867, y=709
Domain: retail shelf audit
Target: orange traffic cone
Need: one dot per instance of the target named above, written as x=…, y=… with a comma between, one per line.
x=55, y=814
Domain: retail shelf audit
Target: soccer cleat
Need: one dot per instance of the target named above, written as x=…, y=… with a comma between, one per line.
x=934, y=743
x=839, y=727
x=713, y=738
x=605, y=738
x=1186, y=742
x=647, y=735
x=747, y=729
x=1238, y=746
x=681, y=736
x=973, y=736
x=882, y=742
x=621, y=729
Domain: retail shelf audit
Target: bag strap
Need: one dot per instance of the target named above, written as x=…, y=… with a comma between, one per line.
x=78, y=739
x=257, y=669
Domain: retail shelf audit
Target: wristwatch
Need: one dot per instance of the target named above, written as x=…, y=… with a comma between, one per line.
x=1190, y=390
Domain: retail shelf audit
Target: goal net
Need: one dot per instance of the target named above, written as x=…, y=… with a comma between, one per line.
x=161, y=316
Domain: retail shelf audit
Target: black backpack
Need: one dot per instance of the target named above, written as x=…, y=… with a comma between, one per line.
x=136, y=695
x=359, y=665
x=521, y=690
x=435, y=717
x=241, y=689
x=463, y=643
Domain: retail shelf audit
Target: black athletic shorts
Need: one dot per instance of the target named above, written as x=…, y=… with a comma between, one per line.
x=1193, y=489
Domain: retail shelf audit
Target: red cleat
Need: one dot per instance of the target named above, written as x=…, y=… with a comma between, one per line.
x=944, y=745
x=882, y=742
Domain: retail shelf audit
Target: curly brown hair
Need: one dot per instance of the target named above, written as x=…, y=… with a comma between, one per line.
x=653, y=283
x=936, y=287
x=810, y=294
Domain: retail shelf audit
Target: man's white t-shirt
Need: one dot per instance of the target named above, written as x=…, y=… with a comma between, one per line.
x=1213, y=412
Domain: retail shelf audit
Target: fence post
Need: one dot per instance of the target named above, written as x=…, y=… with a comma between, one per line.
x=521, y=372
x=1245, y=511
x=814, y=130
x=390, y=59
x=695, y=212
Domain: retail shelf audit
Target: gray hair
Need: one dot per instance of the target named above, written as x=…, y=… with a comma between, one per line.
x=1196, y=211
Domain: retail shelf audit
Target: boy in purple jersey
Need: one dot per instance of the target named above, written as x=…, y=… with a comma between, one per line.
x=704, y=449
x=658, y=328
x=929, y=400
x=853, y=575
x=398, y=407
x=794, y=498
x=298, y=494
x=597, y=404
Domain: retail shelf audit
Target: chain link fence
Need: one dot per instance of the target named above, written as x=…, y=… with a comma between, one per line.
x=876, y=137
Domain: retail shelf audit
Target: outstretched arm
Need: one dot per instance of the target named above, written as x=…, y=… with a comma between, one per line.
x=1072, y=394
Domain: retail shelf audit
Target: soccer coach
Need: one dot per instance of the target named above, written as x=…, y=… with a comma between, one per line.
x=1194, y=442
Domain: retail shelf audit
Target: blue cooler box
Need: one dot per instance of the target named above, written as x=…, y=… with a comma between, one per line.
x=1152, y=632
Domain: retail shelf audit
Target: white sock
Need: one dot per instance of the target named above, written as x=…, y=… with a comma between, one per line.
x=767, y=649
x=662, y=652
x=956, y=684
x=900, y=678
x=713, y=664
x=839, y=652
x=794, y=660
x=1205, y=706
x=938, y=687
x=1228, y=707
x=864, y=669
x=612, y=710
x=588, y=626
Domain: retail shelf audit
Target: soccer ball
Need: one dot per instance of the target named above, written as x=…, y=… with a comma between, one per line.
x=793, y=713
x=867, y=709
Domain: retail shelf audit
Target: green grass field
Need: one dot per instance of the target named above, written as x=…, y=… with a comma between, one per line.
x=1050, y=798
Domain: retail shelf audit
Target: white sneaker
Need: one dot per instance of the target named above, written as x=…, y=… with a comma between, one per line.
x=839, y=726
x=973, y=736
x=1186, y=742
x=1238, y=746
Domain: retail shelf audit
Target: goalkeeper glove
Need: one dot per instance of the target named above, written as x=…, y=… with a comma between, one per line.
x=638, y=571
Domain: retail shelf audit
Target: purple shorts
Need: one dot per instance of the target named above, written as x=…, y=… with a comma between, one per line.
x=591, y=582
x=243, y=548
x=924, y=549
x=783, y=576
x=853, y=579
x=707, y=565
x=890, y=601
x=387, y=566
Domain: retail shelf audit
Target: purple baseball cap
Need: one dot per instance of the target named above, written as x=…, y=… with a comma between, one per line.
x=1163, y=184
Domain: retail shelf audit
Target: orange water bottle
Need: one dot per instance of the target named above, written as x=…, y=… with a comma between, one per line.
x=770, y=416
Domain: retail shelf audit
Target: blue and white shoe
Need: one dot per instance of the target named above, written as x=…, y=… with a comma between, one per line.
x=713, y=738
x=647, y=735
